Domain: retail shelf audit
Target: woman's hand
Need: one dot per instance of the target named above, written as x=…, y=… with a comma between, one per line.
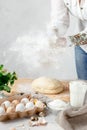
x=62, y=42
x=54, y=39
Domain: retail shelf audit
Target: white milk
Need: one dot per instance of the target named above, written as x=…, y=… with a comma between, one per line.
x=77, y=93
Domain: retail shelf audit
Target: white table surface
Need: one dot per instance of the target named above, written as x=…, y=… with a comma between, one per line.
x=51, y=124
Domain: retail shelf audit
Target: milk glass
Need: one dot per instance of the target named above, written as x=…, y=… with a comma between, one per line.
x=78, y=91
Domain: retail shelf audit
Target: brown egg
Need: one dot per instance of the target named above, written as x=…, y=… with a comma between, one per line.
x=15, y=102
x=10, y=109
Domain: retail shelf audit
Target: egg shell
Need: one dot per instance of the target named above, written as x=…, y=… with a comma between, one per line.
x=24, y=100
x=15, y=102
x=10, y=109
x=13, y=128
x=29, y=106
x=20, y=107
x=2, y=110
x=6, y=103
x=39, y=104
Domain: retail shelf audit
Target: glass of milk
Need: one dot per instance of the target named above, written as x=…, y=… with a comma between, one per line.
x=78, y=91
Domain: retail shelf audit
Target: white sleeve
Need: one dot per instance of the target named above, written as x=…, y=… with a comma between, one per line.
x=59, y=16
x=84, y=31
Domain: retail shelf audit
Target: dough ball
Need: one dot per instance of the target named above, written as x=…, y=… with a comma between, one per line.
x=47, y=85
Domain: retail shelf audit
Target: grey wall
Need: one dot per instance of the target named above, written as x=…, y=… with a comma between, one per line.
x=23, y=45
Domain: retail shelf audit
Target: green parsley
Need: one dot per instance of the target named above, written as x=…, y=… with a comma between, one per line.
x=6, y=79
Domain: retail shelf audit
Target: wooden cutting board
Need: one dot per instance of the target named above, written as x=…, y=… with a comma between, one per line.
x=24, y=85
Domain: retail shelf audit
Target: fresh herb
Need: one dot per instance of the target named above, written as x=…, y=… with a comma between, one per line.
x=6, y=79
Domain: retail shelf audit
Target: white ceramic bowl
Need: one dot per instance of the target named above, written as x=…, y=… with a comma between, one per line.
x=56, y=106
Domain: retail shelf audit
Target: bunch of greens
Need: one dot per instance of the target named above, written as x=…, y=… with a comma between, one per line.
x=6, y=79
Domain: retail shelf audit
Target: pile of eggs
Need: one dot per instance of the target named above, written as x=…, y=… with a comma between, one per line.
x=24, y=104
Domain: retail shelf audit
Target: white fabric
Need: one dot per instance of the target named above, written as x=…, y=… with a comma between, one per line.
x=60, y=10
